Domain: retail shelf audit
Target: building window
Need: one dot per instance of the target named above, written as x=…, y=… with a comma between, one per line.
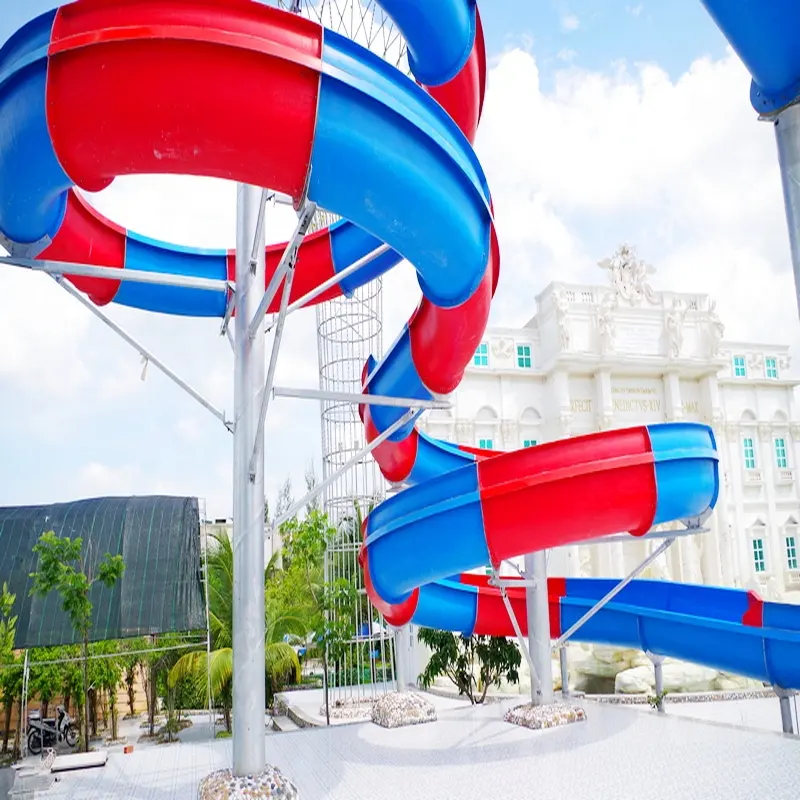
x=485, y=444
x=771, y=367
x=780, y=453
x=481, y=357
x=524, y=356
x=529, y=442
x=759, y=562
x=739, y=367
x=791, y=552
x=749, y=453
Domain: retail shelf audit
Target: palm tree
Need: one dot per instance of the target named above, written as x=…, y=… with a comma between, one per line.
x=216, y=668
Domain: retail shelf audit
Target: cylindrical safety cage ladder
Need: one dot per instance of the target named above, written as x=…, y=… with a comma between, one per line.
x=349, y=330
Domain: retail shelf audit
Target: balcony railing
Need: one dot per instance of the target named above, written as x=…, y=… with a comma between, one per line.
x=752, y=477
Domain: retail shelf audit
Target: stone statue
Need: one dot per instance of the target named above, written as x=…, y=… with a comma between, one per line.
x=674, y=329
x=716, y=330
x=629, y=276
x=562, y=308
x=606, y=324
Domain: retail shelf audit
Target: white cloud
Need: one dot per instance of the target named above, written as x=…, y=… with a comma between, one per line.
x=566, y=55
x=679, y=168
x=570, y=22
x=635, y=11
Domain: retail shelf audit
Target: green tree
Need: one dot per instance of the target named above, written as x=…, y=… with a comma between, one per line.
x=458, y=657
x=46, y=680
x=10, y=666
x=105, y=674
x=64, y=568
x=280, y=657
x=131, y=662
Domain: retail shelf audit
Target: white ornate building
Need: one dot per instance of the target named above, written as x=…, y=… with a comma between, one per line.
x=594, y=358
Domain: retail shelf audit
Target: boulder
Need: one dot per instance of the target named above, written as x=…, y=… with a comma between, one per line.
x=397, y=709
x=638, y=680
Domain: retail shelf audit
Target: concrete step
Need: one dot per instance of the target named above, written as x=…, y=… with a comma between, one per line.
x=284, y=725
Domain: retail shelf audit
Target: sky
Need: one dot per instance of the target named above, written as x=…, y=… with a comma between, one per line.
x=603, y=122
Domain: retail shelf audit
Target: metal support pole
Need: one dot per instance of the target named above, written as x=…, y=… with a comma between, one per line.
x=367, y=399
x=537, y=604
x=662, y=548
x=142, y=350
x=249, y=673
x=787, y=134
x=116, y=274
x=401, y=650
x=787, y=723
x=563, y=660
x=658, y=670
x=208, y=630
x=23, y=738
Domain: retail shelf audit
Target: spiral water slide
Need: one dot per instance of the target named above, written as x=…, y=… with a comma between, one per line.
x=102, y=88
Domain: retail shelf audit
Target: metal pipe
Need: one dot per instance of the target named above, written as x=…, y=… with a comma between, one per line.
x=249, y=673
x=258, y=239
x=208, y=629
x=366, y=399
x=230, y=306
x=23, y=738
x=658, y=671
x=116, y=274
x=662, y=548
x=787, y=723
x=354, y=459
x=787, y=134
x=142, y=350
x=287, y=261
x=401, y=640
x=564, y=664
x=338, y=277
x=537, y=606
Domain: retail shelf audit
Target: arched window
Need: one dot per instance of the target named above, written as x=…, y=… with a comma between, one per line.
x=486, y=428
x=530, y=427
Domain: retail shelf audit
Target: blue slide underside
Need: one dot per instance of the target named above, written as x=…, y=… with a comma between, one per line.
x=764, y=35
x=690, y=622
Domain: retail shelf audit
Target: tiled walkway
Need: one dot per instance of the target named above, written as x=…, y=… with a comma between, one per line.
x=469, y=753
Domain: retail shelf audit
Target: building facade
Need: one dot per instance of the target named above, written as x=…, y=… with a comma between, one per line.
x=602, y=357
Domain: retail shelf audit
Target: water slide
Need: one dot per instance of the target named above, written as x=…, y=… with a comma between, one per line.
x=102, y=88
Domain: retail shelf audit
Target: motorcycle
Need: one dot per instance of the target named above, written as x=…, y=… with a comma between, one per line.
x=48, y=732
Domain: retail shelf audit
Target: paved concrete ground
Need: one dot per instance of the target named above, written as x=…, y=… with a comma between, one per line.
x=618, y=752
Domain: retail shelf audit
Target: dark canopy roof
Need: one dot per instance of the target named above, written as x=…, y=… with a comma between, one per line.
x=159, y=540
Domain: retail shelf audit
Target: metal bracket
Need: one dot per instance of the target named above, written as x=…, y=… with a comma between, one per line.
x=511, y=583
x=229, y=309
x=25, y=250
x=258, y=239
